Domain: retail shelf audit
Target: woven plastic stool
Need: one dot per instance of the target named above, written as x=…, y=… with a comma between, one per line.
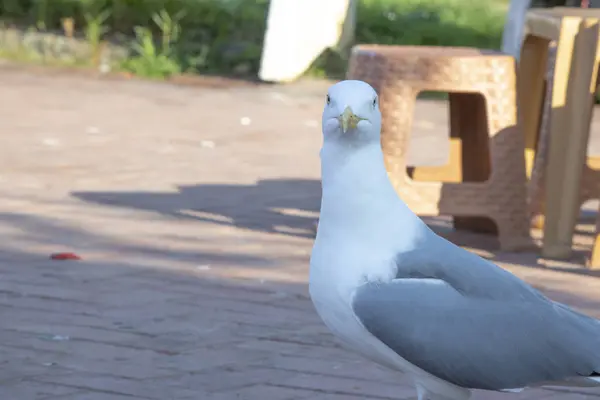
x=486, y=179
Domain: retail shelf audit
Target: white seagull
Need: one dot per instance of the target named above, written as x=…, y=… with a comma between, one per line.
x=392, y=290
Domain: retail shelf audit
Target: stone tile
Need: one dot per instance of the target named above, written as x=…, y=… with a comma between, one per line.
x=343, y=386
x=575, y=393
x=210, y=359
x=226, y=379
x=356, y=369
x=12, y=370
x=262, y=392
x=33, y=390
x=86, y=382
x=95, y=396
x=333, y=396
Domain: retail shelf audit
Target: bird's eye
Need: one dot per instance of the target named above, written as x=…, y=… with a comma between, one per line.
x=375, y=102
x=328, y=100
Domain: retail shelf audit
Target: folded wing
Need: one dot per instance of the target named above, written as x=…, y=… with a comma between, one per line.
x=476, y=341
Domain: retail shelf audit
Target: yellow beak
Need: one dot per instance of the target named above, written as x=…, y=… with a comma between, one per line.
x=348, y=120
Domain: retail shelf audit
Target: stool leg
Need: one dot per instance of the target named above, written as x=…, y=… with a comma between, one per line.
x=594, y=262
x=535, y=187
x=468, y=123
x=568, y=140
x=530, y=78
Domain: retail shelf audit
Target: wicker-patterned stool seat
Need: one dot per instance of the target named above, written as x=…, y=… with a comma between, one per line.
x=486, y=179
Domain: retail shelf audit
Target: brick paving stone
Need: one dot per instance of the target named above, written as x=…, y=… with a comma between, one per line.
x=569, y=396
x=225, y=379
x=356, y=369
x=28, y=390
x=112, y=385
x=13, y=370
x=350, y=386
x=86, y=395
x=262, y=392
x=575, y=391
x=210, y=359
x=535, y=393
x=195, y=232
x=333, y=396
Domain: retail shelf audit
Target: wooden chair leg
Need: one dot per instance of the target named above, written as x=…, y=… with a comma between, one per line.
x=573, y=93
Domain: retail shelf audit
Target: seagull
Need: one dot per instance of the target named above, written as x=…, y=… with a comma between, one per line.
x=400, y=295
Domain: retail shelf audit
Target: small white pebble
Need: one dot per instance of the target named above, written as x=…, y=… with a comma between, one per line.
x=207, y=144
x=280, y=97
x=277, y=96
x=203, y=267
x=30, y=184
x=311, y=123
x=92, y=130
x=51, y=142
x=167, y=149
x=245, y=121
x=104, y=68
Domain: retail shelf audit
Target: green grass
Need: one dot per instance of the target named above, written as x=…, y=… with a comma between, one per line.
x=435, y=22
x=471, y=23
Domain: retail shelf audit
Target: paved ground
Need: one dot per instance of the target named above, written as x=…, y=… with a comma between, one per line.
x=193, y=209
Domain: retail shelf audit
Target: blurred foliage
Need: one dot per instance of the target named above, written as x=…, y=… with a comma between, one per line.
x=225, y=36
x=434, y=23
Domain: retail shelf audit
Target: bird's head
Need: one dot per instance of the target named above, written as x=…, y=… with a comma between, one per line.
x=351, y=113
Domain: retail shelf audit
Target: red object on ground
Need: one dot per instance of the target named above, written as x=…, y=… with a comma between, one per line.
x=65, y=256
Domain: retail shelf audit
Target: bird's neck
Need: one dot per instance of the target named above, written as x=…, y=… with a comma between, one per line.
x=356, y=167
x=356, y=184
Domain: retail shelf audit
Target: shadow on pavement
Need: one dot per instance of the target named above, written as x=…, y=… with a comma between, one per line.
x=287, y=206
x=290, y=207
x=38, y=232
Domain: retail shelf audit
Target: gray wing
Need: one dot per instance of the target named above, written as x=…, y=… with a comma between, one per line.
x=468, y=273
x=478, y=342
